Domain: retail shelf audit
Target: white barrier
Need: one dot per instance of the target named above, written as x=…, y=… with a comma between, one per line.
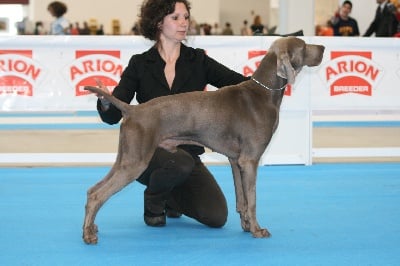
x=47, y=74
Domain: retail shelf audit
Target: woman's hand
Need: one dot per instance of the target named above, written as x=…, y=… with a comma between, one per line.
x=102, y=87
x=105, y=104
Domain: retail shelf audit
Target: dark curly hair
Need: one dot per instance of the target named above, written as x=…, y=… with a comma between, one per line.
x=152, y=13
x=58, y=8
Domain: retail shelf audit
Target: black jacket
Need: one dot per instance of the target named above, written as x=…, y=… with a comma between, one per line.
x=384, y=23
x=144, y=77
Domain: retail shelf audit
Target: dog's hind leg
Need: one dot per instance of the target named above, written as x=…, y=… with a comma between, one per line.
x=128, y=167
x=249, y=176
x=134, y=154
x=241, y=203
x=118, y=178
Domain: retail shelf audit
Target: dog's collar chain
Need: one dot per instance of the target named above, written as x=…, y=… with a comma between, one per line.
x=268, y=88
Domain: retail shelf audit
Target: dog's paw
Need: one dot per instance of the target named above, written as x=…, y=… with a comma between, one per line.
x=90, y=234
x=261, y=233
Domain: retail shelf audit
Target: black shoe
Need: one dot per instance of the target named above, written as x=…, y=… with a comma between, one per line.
x=172, y=213
x=154, y=208
x=155, y=220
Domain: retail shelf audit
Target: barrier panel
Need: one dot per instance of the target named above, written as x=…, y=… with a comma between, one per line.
x=358, y=80
x=46, y=74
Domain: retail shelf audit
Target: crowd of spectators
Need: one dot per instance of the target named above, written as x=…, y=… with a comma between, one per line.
x=384, y=24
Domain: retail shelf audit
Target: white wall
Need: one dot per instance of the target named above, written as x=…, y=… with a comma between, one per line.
x=235, y=11
x=296, y=15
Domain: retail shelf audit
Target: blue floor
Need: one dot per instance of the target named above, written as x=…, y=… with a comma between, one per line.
x=325, y=214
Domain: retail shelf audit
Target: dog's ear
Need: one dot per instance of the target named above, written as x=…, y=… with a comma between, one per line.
x=284, y=68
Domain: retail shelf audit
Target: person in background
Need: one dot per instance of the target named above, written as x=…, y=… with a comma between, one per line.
x=215, y=29
x=342, y=23
x=324, y=30
x=176, y=183
x=245, y=30
x=228, y=29
x=100, y=30
x=397, y=34
x=74, y=29
x=39, y=29
x=85, y=30
x=385, y=22
x=257, y=27
x=135, y=29
x=61, y=25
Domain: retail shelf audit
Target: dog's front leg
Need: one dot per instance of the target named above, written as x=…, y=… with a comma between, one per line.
x=241, y=204
x=249, y=176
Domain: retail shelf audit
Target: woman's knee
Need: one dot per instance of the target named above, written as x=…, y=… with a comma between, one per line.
x=215, y=221
x=214, y=217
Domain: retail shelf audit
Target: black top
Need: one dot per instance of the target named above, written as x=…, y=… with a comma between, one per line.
x=385, y=22
x=347, y=27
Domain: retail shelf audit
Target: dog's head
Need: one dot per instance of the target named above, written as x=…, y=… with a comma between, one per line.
x=292, y=54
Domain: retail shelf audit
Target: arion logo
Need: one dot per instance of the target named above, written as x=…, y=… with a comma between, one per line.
x=351, y=72
x=90, y=65
x=19, y=73
x=254, y=60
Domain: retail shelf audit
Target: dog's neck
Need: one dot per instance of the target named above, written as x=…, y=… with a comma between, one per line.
x=268, y=88
x=267, y=73
x=266, y=76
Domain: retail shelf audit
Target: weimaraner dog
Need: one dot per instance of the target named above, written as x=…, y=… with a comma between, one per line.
x=237, y=121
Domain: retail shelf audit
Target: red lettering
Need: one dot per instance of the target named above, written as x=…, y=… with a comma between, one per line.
x=247, y=71
x=88, y=66
x=20, y=66
x=75, y=71
x=352, y=67
x=330, y=72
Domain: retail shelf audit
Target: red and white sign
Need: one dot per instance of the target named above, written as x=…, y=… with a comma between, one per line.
x=90, y=65
x=49, y=73
x=352, y=72
x=19, y=73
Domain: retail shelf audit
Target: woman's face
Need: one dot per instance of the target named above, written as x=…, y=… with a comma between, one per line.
x=175, y=25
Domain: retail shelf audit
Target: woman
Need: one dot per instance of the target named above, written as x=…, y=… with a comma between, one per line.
x=61, y=25
x=177, y=183
x=257, y=27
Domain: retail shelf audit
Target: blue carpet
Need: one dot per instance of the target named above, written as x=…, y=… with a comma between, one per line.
x=325, y=214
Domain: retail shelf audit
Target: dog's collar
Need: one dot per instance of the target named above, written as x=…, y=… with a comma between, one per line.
x=268, y=88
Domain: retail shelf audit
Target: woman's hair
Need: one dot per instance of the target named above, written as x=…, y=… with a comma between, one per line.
x=257, y=20
x=58, y=8
x=153, y=12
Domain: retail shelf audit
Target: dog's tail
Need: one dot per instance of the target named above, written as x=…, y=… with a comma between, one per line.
x=122, y=106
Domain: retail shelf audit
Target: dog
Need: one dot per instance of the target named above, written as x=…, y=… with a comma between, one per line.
x=237, y=121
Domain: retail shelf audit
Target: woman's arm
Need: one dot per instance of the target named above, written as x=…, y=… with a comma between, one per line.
x=125, y=91
x=219, y=75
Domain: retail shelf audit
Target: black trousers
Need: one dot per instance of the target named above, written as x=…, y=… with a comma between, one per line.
x=191, y=188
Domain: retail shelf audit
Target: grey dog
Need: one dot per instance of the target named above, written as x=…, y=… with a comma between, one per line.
x=237, y=121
